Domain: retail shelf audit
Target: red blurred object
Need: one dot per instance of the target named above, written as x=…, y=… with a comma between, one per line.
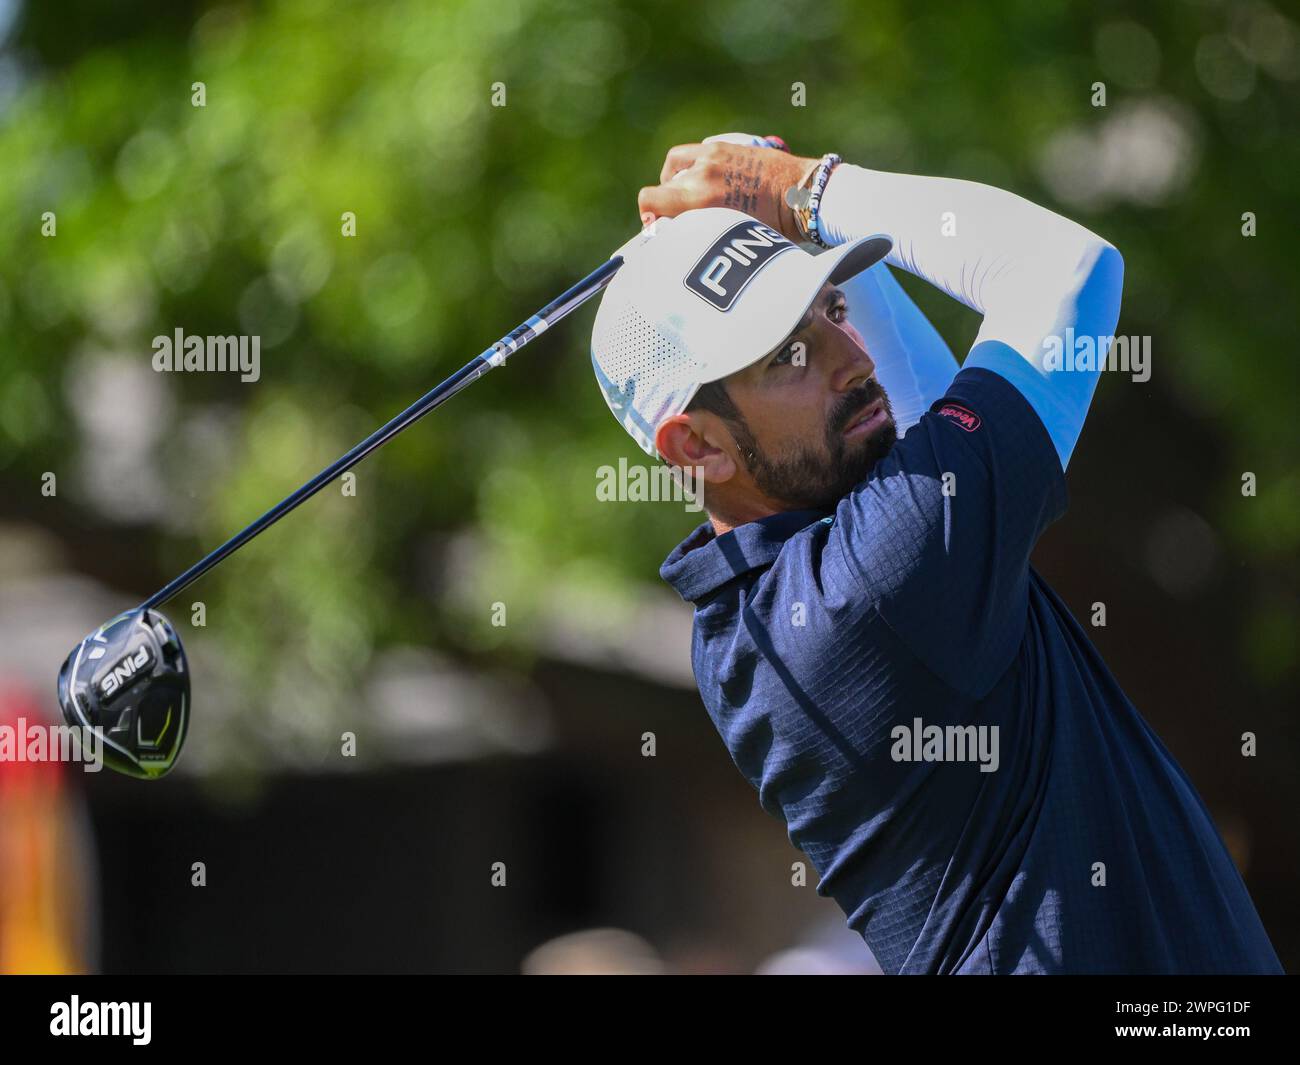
x=43, y=858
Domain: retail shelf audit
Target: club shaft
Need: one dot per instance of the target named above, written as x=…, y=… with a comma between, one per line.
x=489, y=359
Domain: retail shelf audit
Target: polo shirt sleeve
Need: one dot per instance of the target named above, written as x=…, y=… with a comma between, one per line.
x=940, y=533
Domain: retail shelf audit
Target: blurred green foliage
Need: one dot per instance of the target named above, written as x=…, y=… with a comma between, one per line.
x=226, y=219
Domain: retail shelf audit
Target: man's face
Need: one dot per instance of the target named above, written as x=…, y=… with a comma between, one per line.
x=815, y=418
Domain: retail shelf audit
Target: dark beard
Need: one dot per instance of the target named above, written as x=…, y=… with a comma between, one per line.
x=805, y=480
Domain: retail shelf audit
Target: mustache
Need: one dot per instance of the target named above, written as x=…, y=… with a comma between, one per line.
x=851, y=405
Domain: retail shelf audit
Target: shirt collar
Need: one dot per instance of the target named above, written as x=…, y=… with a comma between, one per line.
x=703, y=562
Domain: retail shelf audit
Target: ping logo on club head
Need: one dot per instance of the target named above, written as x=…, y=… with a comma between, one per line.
x=733, y=261
x=122, y=673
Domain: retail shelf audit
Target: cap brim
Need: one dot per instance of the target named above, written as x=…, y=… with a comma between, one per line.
x=805, y=275
x=853, y=258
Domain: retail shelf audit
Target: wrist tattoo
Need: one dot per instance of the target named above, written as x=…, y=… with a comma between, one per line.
x=744, y=182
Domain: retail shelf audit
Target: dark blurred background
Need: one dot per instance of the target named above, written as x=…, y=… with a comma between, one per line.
x=374, y=614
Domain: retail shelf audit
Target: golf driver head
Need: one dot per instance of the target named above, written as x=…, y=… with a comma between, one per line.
x=129, y=681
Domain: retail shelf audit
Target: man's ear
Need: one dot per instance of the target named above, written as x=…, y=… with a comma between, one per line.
x=684, y=440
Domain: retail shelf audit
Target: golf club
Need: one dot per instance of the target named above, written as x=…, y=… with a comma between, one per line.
x=129, y=679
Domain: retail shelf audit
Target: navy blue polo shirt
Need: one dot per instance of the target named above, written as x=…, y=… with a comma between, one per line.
x=938, y=734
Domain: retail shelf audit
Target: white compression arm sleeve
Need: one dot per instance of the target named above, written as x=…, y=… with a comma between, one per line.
x=1040, y=280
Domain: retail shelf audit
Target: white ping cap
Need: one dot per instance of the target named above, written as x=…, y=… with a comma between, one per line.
x=698, y=298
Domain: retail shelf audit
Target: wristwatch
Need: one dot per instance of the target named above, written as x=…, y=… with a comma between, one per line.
x=804, y=199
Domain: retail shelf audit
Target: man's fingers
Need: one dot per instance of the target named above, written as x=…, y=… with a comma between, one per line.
x=665, y=201
x=681, y=157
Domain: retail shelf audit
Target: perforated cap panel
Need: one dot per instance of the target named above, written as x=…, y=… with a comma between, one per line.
x=645, y=371
x=700, y=297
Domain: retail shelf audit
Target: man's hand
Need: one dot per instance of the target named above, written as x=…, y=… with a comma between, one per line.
x=753, y=180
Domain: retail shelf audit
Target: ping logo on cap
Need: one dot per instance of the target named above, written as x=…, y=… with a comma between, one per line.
x=733, y=261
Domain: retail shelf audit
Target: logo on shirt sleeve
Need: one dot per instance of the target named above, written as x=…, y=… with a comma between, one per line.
x=967, y=419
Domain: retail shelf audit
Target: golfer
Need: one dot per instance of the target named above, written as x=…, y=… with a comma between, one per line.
x=935, y=729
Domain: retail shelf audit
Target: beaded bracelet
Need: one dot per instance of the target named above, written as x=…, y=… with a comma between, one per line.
x=805, y=199
x=821, y=176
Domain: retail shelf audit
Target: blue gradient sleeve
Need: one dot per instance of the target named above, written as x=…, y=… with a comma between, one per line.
x=1048, y=289
x=1059, y=380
